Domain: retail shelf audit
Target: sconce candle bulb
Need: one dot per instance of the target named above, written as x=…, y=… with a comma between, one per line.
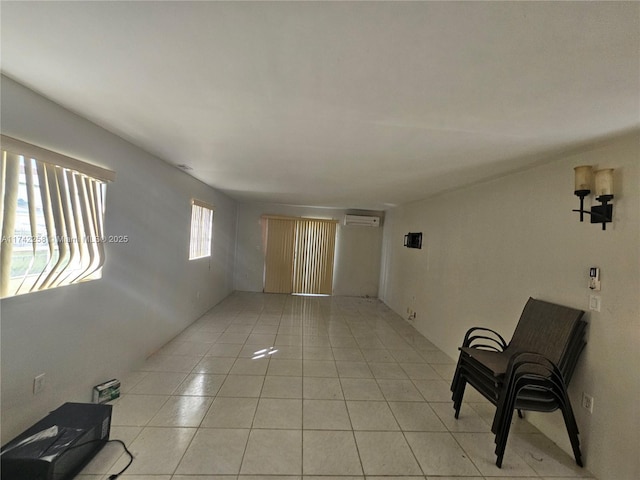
x=583, y=181
x=584, y=178
x=604, y=182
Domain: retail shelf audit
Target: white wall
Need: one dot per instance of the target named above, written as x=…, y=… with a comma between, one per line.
x=357, y=262
x=487, y=248
x=84, y=334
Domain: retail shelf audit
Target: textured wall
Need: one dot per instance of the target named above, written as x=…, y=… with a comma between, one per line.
x=488, y=247
x=81, y=335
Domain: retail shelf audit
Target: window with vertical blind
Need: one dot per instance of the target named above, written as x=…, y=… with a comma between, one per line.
x=299, y=255
x=201, y=228
x=51, y=218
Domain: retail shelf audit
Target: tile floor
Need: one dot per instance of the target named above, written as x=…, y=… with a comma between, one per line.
x=280, y=386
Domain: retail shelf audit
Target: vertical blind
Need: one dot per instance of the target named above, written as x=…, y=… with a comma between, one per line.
x=280, y=241
x=51, y=217
x=299, y=255
x=314, y=252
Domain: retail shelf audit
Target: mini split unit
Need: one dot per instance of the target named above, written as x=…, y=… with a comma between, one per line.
x=361, y=221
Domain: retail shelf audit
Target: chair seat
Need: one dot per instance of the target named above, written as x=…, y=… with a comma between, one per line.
x=494, y=363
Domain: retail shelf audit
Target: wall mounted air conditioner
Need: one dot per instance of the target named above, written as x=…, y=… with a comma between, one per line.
x=361, y=221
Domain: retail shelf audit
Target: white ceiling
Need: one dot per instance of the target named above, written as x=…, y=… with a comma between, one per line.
x=354, y=105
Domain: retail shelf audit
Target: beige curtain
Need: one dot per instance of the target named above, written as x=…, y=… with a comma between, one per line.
x=278, y=271
x=313, y=265
x=299, y=255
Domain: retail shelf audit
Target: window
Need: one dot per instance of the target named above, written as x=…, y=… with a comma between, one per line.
x=52, y=219
x=201, y=227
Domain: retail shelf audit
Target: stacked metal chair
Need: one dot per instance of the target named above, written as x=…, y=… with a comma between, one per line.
x=531, y=372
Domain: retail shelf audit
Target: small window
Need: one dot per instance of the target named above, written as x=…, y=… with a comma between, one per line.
x=52, y=219
x=201, y=228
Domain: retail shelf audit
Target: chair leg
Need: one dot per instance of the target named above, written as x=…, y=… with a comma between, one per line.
x=572, y=429
x=501, y=438
x=458, y=395
x=502, y=423
x=504, y=410
x=520, y=414
x=458, y=379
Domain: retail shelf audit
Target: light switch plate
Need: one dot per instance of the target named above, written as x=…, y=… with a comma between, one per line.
x=594, y=303
x=38, y=384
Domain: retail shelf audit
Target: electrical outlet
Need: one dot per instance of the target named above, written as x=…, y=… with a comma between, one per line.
x=587, y=402
x=38, y=384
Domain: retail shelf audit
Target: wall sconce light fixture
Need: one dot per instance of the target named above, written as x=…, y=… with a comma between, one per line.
x=584, y=179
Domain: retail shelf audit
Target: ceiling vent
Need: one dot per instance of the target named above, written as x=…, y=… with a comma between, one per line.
x=361, y=221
